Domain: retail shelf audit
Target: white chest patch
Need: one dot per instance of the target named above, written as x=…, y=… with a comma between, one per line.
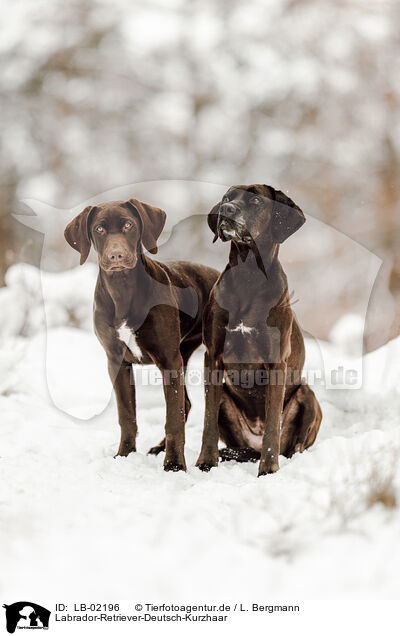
x=241, y=328
x=253, y=434
x=128, y=337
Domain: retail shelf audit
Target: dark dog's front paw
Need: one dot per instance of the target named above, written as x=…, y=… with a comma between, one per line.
x=174, y=466
x=206, y=462
x=267, y=469
x=205, y=467
x=156, y=450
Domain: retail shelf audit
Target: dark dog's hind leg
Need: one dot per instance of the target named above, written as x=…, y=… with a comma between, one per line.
x=230, y=432
x=245, y=454
x=300, y=425
x=301, y=421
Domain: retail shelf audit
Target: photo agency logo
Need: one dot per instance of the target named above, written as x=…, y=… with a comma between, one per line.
x=340, y=377
x=317, y=286
x=26, y=615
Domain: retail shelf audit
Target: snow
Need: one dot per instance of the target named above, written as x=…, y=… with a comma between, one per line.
x=348, y=334
x=77, y=523
x=33, y=299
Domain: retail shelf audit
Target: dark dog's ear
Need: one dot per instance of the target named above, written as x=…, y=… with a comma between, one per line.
x=212, y=220
x=153, y=221
x=287, y=217
x=77, y=233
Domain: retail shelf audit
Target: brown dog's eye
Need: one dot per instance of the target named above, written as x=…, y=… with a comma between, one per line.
x=127, y=225
x=100, y=229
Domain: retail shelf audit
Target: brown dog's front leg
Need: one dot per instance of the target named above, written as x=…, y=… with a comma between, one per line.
x=269, y=462
x=124, y=387
x=174, y=390
x=209, y=450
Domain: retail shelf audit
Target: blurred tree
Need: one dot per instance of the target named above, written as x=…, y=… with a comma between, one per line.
x=7, y=239
x=102, y=93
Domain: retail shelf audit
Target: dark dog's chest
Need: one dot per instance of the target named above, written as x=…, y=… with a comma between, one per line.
x=249, y=300
x=251, y=343
x=248, y=338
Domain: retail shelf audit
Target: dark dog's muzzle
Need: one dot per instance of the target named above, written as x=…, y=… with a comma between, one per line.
x=229, y=229
x=231, y=225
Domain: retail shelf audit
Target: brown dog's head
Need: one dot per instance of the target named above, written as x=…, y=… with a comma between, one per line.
x=117, y=231
x=248, y=212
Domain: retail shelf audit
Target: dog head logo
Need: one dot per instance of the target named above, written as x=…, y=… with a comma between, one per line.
x=26, y=615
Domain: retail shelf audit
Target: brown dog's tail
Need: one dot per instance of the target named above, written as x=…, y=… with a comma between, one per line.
x=245, y=454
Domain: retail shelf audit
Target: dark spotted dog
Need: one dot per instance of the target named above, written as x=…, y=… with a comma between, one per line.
x=250, y=332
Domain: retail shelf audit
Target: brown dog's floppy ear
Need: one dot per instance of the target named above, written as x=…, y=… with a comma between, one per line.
x=153, y=221
x=77, y=233
x=287, y=217
x=212, y=219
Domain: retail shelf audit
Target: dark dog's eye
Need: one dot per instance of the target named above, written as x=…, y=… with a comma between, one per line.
x=100, y=229
x=127, y=225
x=225, y=198
x=256, y=200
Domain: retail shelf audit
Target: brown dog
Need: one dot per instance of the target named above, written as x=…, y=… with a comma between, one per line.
x=144, y=312
x=256, y=401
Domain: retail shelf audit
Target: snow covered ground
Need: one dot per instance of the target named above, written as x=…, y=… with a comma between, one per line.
x=77, y=523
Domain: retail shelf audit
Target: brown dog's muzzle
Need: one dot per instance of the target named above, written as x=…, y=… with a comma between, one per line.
x=117, y=255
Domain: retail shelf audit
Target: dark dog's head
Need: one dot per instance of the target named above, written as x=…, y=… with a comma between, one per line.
x=117, y=231
x=246, y=213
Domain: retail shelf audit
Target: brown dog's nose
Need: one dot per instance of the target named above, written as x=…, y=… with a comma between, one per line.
x=116, y=254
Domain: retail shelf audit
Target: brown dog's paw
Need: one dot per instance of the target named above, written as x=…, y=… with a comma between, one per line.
x=125, y=448
x=174, y=466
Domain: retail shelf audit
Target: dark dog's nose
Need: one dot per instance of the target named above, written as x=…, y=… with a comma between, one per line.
x=229, y=217
x=228, y=210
